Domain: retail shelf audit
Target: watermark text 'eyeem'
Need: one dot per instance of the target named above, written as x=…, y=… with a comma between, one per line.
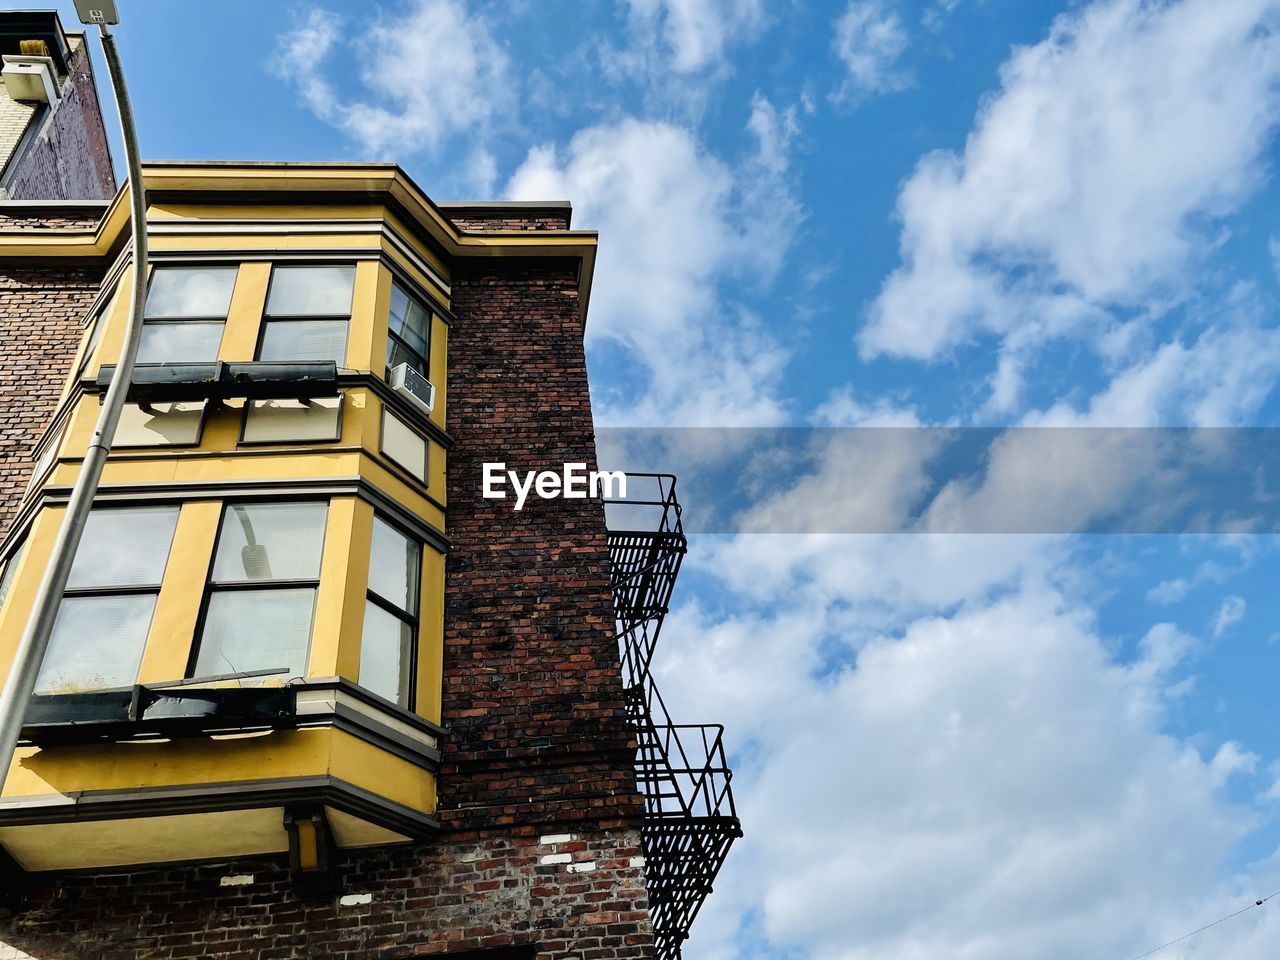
x=573, y=482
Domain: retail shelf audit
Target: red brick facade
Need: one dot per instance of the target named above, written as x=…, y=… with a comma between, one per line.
x=488, y=892
x=540, y=850
x=41, y=309
x=70, y=160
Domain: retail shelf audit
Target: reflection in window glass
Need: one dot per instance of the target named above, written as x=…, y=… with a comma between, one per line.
x=270, y=541
x=288, y=341
x=96, y=326
x=97, y=643
x=184, y=341
x=393, y=566
x=124, y=546
x=101, y=630
x=409, y=331
x=190, y=291
x=311, y=291
x=262, y=592
x=386, y=653
x=390, y=621
x=10, y=570
x=247, y=630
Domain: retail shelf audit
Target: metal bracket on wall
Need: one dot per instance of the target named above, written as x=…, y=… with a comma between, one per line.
x=312, y=852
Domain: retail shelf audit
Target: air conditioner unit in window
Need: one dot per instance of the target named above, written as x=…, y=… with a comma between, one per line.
x=413, y=386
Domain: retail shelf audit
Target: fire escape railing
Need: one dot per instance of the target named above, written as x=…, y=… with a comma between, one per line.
x=690, y=819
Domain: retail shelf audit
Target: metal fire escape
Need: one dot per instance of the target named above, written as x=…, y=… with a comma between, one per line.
x=689, y=820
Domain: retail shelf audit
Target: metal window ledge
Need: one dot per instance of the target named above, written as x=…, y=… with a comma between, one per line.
x=257, y=380
x=142, y=712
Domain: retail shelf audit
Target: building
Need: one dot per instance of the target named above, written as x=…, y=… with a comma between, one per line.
x=310, y=694
x=53, y=145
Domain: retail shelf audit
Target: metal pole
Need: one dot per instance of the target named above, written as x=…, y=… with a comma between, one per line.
x=21, y=681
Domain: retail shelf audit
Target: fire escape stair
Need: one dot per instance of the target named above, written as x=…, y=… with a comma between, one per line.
x=681, y=771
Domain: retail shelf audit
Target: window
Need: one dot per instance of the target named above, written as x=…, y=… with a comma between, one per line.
x=102, y=623
x=307, y=313
x=262, y=589
x=186, y=311
x=409, y=331
x=10, y=569
x=96, y=326
x=391, y=615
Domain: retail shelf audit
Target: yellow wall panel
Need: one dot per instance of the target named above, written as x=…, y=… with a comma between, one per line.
x=244, y=316
x=431, y=635
x=369, y=304
x=152, y=763
x=173, y=625
x=26, y=581
x=439, y=368
x=344, y=571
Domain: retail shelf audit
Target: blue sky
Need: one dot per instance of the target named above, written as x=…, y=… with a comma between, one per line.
x=872, y=212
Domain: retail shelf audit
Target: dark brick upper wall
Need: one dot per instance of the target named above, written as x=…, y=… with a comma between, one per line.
x=532, y=688
x=40, y=313
x=479, y=219
x=40, y=222
x=70, y=161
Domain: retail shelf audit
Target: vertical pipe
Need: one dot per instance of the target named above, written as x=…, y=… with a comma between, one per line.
x=21, y=681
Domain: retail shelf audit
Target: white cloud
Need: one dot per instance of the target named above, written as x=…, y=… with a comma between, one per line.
x=1087, y=180
x=869, y=40
x=1229, y=614
x=843, y=409
x=692, y=34
x=433, y=72
x=990, y=785
x=935, y=17
x=1221, y=378
x=677, y=224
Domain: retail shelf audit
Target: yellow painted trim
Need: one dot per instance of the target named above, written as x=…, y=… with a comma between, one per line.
x=303, y=178
x=430, y=677
x=439, y=366
x=344, y=570
x=26, y=582
x=226, y=759
x=369, y=304
x=244, y=316
x=173, y=625
x=112, y=339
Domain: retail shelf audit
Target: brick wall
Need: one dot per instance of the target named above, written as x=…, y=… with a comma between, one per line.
x=581, y=897
x=40, y=313
x=540, y=845
x=70, y=159
x=18, y=217
x=532, y=689
x=480, y=219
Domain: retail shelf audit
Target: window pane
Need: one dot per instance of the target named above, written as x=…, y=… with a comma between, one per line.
x=181, y=342
x=393, y=566
x=98, y=323
x=256, y=630
x=97, y=643
x=10, y=569
x=270, y=541
x=190, y=291
x=311, y=291
x=410, y=320
x=291, y=340
x=398, y=353
x=386, y=654
x=399, y=307
x=124, y=547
